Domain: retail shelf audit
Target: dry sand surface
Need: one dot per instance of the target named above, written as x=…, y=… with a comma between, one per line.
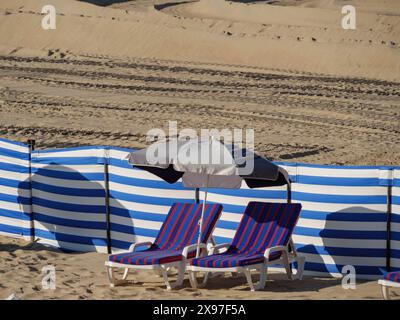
x=312, y=92
x=83, y=276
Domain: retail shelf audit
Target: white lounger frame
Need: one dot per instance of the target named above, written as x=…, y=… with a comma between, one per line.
x=162, y=269
x=385, y=287
x=285, y=260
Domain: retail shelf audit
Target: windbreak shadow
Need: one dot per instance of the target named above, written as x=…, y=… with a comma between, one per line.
x=69, y=209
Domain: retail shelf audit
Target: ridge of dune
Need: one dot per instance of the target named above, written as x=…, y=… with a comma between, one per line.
x=262, y=13
x=281, y=37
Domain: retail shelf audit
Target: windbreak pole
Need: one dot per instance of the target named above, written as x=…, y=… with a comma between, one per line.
x=388, y=227
x=31, y=147
x=107, y=206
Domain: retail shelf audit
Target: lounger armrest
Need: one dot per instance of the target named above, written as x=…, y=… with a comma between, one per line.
x=219, y=246
x=133, y=246
x=192, y=248
x=274, y=249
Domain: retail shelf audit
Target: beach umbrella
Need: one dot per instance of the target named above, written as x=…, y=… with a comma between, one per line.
x=208, y=163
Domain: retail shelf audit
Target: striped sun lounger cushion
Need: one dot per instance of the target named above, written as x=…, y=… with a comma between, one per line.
x=263, y=225
x=392, y=276
x=179, y=230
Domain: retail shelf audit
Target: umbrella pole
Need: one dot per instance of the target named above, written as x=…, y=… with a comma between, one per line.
x=202, y=218
x=197, y=195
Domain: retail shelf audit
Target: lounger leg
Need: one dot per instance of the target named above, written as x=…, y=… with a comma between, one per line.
x=286, y=264
x=301, y=261
x=385, y=292
x=126, y=272
x=181, y=274
x=205, y=279
x=164, y=273
x=247, y=273
x=112, y=279
x=110, y=275
x=193, y=279
x=263, y=277
x=159, y=272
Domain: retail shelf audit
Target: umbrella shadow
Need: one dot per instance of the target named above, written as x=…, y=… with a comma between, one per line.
x=346, y=238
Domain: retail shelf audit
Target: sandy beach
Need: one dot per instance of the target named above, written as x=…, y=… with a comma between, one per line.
x=83, y=276
x=312, y=92
x=107, y=75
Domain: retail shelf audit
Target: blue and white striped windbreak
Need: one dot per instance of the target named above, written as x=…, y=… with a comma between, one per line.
x=15, y=199
x=343, y=219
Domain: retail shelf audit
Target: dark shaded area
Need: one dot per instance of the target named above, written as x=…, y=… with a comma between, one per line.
x=301, y=154
x=54, y=223
x=331, y=232
x=257, y=1
x=104, y=2
x=171, y=4
x=32, y=246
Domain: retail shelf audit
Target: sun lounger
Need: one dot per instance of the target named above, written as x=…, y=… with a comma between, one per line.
x=174, y=244
x=263, y=238
x=390, y=280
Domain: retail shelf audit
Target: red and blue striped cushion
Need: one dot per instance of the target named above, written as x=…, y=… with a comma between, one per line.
x=229, y=260
x=392, y=276
x=263, y=225
x=148, y=257
x=179, y=230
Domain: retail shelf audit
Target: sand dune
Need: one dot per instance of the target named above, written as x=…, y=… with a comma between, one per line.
x=109, y=74
x=303, y=38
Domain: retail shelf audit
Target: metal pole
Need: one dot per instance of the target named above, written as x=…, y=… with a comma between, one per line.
x=291, y=246
x=288, y=193
x=197, y=195
x=107, y=205
x=31, y=147
x=388, y=227
x=202, y=218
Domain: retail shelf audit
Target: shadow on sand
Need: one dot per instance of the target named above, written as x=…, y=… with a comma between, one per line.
x=104, y=2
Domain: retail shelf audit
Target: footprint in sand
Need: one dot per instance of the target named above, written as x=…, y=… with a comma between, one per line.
x=33, y=269
x=150, y=289
x=70, y=281
x=35, y=288
x=41, y=257
x=195, y=294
